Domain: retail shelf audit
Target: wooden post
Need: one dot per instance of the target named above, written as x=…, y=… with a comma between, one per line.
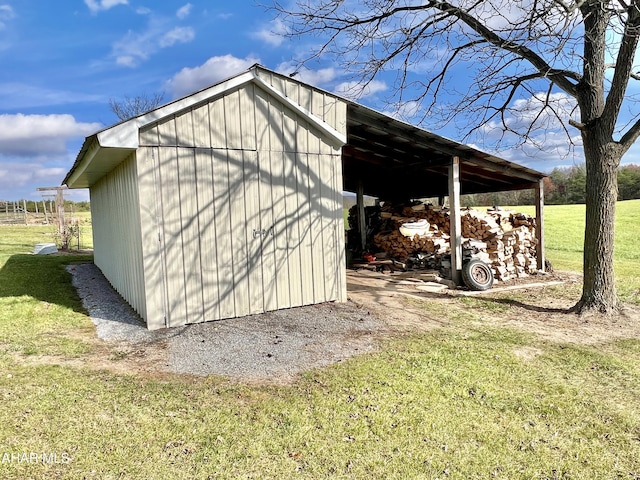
x=362, y=223
x=540, y=225
x=44, y=207
x=24, y=207
x=59, y=199
x=61, y=223
x=455, y=220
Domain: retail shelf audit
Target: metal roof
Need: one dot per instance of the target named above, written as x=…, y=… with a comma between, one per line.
x=398, y=160
x=392, y=158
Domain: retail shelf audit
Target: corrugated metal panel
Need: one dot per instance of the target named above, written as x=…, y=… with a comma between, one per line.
x=247, y=208
x=169, y=179
x=116, y=232
x=209, y=242
x=224, y=232
x=150, y=227
x=201, y=130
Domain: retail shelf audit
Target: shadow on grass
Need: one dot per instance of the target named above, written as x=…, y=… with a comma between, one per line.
x=41, y=277
x=526, y=306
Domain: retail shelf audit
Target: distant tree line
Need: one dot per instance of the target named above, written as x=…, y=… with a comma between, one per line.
x=562, y=186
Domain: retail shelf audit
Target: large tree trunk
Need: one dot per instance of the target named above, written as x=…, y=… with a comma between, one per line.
x=599, y=290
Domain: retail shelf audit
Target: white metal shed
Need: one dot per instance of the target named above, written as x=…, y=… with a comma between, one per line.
x=222, y=204
x=228, y=202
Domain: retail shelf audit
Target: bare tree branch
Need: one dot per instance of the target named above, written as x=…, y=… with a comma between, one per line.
x=560, y=77
x=133, y=106
x=622, y=70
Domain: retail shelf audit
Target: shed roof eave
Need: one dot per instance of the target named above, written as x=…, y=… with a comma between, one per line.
x=87, y=152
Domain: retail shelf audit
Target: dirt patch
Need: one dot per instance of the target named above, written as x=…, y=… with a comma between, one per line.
x=526, y=303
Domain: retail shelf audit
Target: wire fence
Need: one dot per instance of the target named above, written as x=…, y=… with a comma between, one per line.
x=74, y=231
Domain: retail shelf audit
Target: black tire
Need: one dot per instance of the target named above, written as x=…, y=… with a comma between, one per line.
x=477, y=275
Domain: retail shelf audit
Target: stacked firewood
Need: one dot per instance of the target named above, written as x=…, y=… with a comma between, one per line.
x=503, y=239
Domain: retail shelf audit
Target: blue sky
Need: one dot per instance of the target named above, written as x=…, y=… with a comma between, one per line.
x=62, y=61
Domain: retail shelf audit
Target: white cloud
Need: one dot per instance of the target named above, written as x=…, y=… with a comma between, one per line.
x=272, y=34
x=184, y=11
x=177, y=35
x=318, y=78
x=359, y=90
x=189, y=80
x=96, y=5
x=6, y=13
x=135, y=48
x=35, y=135
x=20, y=180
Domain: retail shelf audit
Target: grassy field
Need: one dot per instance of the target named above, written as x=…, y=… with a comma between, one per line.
x=564, y=231
x=463, y=401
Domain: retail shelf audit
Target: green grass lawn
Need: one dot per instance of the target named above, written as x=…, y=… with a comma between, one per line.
x=564, y=239
x=459, y=402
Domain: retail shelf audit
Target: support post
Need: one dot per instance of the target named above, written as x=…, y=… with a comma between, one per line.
x=59, y=199
x=455, y=220
x=362, y=223
x=44, y=207
x=540, y=225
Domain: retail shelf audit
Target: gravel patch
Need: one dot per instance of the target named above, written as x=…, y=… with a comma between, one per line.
x=272, y=347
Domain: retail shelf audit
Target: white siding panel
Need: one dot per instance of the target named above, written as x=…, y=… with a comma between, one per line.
x=304, y=222
x=247, y=117
x=167, y=132
x=207, y=233
x=201, y=126
x=150, y=219
x=149, y=136
x=254, y=232
x=232, y=121
x=190, y=233
x=266, y=187
x=225, y=233
x=294, y=234
x=318, y=254
x=281, y=221
x=184, y=130
x=172, y=237
x=338, y=225
x=265, y=124
x=116, y=232
x=328, y=217
x=239, y=234
x=217, y=124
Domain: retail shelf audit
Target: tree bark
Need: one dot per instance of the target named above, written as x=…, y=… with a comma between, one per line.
x=602, y=157
x=599, y=290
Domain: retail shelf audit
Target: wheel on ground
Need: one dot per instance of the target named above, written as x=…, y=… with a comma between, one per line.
x=477, y=275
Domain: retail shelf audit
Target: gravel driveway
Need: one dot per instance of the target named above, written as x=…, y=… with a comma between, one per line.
x=274, y=346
